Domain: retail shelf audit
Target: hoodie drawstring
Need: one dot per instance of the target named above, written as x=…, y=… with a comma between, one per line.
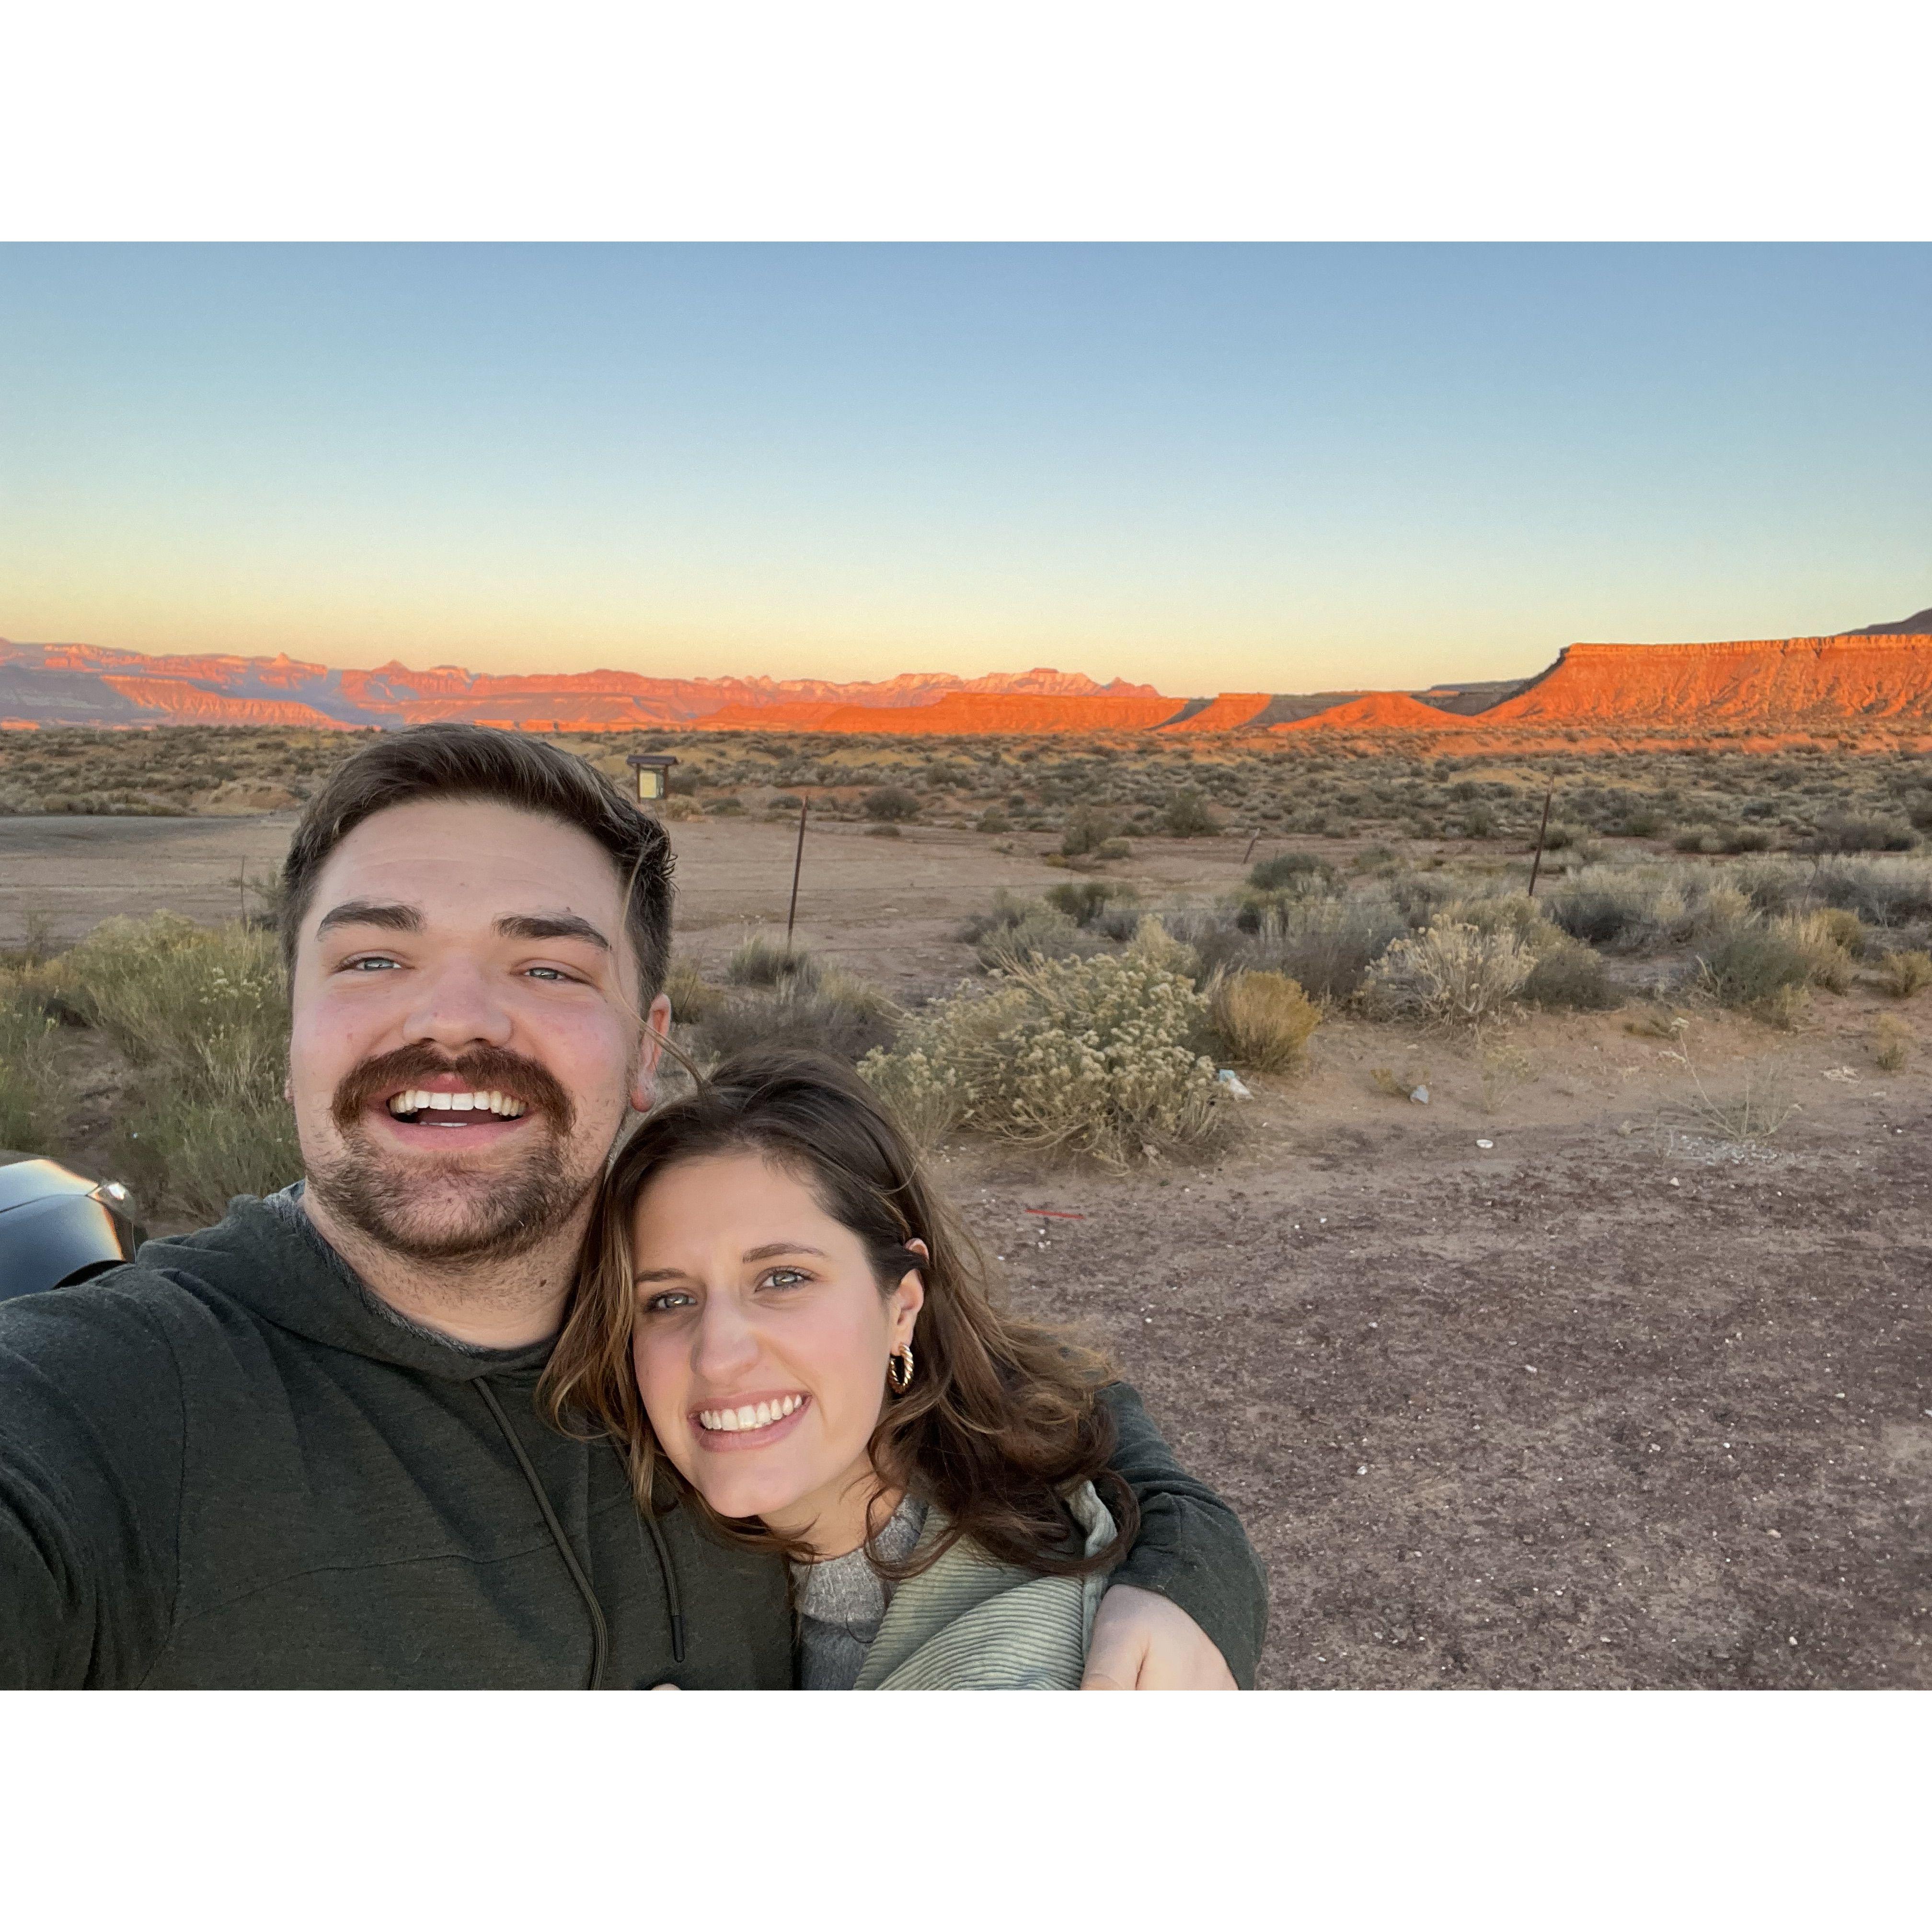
x=600, y=1634
x=673, y=1598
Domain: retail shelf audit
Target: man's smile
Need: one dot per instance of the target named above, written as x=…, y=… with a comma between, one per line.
x=438, y=1109
x=413, y=1103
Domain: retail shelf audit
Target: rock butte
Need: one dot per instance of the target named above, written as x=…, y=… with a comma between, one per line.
x=1874, y=684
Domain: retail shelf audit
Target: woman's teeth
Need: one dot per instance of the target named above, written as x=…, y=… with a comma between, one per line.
x=760, y=1416
x=418, y=1101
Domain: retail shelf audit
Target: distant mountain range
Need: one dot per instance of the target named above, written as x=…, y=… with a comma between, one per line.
x=1879, y=675
x=89, y=684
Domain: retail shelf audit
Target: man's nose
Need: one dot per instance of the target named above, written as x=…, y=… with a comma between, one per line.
x=455, y=1007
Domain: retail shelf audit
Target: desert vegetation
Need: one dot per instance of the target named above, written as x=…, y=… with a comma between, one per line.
x=194, y=1019
x=1383, y=886
x=1096, y=795
x=1095, y=1027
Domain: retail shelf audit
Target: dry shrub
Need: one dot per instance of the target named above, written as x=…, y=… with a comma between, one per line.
x=760, y=962
x=33, y=1094
x=1841, y=926
x=830, y=1011
x=1299, y=872
x=1567, y=974
x=202, y=1012
x=692, y=995
x=1900, y=975
x=1085, y=903
x=1572, y=977
x=1749, y=967
x=1017, y=932
x=1882, y=892
x=1073, y=1058
x=1187, y=815
x=1325, y=945
x=1153, y=941
x=891, y=805
x=1892, y=1042
x=1814, y=936
x=1629, y=908
x=1453, y=972
x=1747, y=1113
x=1263, y=1020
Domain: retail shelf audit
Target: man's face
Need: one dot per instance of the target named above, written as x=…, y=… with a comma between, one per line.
x=465, y=1036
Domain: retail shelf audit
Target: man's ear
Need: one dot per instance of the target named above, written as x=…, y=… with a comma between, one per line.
x=657, y=1030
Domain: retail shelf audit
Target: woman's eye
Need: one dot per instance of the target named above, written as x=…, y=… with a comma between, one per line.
x=376, y=965
x=784, y=1278
x=672, y=1298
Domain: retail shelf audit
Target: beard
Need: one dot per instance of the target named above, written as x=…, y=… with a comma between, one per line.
x=437, y=1208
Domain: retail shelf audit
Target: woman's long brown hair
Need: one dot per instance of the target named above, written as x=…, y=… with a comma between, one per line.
x=1002, y=1419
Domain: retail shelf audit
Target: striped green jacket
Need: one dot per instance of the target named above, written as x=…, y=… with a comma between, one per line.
x=971, y=1624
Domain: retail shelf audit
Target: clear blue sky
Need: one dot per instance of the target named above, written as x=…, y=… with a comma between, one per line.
x=1203, y=468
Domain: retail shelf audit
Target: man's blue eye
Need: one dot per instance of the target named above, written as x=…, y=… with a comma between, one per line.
x=371, y=965
x=548, y=972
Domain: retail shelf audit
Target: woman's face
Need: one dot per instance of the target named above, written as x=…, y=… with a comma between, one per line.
x=761, y=1345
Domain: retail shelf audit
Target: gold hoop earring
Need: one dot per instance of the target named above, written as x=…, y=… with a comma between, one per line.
x=899, y=1378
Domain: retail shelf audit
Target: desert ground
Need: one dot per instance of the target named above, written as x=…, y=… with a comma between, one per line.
x=1553, y=1380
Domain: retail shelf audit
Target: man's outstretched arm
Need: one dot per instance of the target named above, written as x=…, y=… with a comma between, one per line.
x=90, y=1456
x=1192, y=1553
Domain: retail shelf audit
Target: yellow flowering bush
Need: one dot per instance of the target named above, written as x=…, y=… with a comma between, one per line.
x=1079, y=1058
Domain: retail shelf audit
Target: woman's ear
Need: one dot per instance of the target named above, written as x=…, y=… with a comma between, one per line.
x=909, y=1297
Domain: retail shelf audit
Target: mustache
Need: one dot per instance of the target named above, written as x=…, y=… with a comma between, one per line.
x=481, y=1068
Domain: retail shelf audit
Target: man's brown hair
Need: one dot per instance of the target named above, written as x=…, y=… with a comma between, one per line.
x=467, y=761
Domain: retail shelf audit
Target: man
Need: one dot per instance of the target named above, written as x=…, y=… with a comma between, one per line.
x=303, y=1449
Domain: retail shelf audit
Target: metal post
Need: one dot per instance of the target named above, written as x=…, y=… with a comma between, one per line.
x=1542, y=831
x=1250, y=852
x=798, y=860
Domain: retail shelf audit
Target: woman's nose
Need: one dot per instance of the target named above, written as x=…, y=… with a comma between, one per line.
x=726, y=1344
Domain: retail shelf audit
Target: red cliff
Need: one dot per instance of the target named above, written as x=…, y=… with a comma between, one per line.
x=1229, y=713
x=180, y=702
x=1379, y=711
x=1772, y=684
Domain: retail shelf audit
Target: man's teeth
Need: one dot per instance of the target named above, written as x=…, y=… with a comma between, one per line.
x=419, y=1100
x=761, y=1415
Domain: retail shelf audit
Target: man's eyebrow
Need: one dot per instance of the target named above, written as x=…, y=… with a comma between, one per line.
x=387, y=913
x=551, y=926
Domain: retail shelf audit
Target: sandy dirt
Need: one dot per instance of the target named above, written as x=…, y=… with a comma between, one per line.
x=1615, y=1401
x=75, y=871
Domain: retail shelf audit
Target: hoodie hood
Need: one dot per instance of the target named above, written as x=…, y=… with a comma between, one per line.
x=289, y=1275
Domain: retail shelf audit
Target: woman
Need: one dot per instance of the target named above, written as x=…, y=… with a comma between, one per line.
x=784, y=1326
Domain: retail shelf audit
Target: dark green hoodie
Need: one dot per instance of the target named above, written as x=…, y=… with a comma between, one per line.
x=221, y=1466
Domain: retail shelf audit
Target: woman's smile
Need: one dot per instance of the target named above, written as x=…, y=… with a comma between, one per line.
x=750, y=1422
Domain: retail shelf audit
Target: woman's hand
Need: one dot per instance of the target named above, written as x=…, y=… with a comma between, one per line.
x=1143, y=1643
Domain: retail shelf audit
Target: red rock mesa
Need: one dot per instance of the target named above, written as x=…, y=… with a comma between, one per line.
x=1875, y=684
